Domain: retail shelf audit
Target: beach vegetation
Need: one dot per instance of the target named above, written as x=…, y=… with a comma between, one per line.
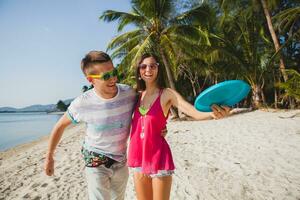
x=61, y=106
x=201, y=43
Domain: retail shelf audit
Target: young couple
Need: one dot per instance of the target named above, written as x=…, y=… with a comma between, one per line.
x=107, y=111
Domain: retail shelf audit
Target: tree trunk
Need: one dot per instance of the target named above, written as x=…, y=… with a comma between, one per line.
x=170, y=78
x=203, y=85
x=168, y=70
x=193, y=78
x=263, y=97
x=262, y=92
x=275, y=90
x=274, y=38
x=275, y=98
x=194, y=89
x=256, y=96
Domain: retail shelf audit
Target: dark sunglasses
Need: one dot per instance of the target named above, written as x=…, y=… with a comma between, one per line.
x=105, y=76
x=151, y=66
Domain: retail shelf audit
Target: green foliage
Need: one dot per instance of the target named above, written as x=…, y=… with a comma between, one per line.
x=61, y=106
x=86, y=88
x=292, y=86
x=205, y=42
x=159, y=27
x=287, y=19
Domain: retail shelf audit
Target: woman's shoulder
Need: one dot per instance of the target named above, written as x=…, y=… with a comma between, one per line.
x=168, y=92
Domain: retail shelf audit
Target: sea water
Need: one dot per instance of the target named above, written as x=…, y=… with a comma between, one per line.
x=19, y=128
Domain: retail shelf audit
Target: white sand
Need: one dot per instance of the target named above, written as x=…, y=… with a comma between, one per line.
x=253, y=155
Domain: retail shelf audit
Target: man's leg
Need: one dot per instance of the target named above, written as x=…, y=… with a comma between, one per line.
x=98, y=180
x=119, y=181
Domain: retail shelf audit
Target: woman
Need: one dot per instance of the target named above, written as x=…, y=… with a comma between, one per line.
x=149, y=154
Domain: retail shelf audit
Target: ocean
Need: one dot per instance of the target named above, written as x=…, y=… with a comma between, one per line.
x=19, y=128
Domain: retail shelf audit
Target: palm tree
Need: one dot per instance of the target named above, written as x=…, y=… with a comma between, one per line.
x=243, y=48
x=265, y=6
x=227, y=5
x=159, y=29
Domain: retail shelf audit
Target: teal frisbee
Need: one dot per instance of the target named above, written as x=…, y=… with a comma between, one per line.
x=226, y=93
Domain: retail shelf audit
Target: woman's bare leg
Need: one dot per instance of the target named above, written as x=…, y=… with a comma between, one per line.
x=143, y=186
x=161, y=187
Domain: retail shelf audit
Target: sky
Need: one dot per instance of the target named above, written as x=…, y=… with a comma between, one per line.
x=42, y=43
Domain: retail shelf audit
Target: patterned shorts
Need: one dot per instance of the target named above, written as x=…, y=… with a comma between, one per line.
x=93, y=159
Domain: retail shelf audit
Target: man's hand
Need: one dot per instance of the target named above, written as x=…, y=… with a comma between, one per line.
x=164, y=132
x=49, y=165
x=220, y=111
x=55, y=136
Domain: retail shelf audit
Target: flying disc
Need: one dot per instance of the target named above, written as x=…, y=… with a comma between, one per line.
x=227, y=93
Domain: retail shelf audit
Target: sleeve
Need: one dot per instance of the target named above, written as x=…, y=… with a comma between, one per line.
x=73, y=111
x=132, y=93
x=135, y=98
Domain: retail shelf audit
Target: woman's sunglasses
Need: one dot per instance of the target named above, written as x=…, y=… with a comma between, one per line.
x=105, y=76
x=151, y=66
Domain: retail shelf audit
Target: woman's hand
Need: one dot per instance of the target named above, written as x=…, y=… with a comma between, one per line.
x=220, y=111
x=164, y=132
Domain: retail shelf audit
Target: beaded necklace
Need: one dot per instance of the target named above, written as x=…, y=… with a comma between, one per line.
x=143, y=111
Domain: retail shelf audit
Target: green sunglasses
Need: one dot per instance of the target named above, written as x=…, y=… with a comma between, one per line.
x=105, y=76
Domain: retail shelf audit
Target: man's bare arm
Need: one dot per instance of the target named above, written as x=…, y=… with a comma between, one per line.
x=55, y=137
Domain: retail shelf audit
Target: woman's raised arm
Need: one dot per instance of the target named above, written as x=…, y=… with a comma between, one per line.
x=178, y=101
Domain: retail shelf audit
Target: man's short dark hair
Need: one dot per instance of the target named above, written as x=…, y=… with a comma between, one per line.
x=92, y=58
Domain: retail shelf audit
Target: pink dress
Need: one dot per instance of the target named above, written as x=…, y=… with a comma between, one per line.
x=149, y=150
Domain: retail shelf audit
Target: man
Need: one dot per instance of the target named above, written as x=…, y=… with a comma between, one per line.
x=106, y=109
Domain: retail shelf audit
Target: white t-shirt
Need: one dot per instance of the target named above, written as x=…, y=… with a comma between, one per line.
x=108, y=120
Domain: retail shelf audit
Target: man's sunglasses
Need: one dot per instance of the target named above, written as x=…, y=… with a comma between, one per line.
x=151, y=66
x=105, y=76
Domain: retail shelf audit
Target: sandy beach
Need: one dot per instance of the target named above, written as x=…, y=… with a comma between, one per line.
x=253, y=155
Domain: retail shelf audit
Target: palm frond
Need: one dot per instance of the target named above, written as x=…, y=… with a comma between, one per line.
x=127, y=46
x=160, y=9
x=277, y=54
x=146, y=46
x=119, y=40
x=127, y=68
x=173, y=54
x=202, y=15
x=292, y=85
x=123, y=18
x=192, y=33
x=287, y=18
x=126, y=63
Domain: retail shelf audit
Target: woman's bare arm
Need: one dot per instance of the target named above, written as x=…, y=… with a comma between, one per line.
x=177, y=100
